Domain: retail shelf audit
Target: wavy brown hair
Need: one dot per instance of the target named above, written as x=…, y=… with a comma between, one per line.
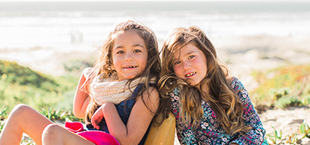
x=221, y=97
x=103, y=65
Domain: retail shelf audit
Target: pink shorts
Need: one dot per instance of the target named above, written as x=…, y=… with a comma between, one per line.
x=95, y=136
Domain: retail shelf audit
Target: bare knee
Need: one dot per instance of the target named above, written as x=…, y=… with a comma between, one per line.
x=51, y=130
x=21, y=107
x=51, y=134
x=20, y=110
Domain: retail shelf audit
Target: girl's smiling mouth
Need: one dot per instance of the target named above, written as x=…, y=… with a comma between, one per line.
x=190, y=74
x=130, y=67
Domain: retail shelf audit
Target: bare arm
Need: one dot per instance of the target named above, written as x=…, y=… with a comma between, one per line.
x=81, y=99
x=139, y=119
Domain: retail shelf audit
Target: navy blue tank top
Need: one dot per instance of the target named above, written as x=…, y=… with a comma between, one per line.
x=124, y=109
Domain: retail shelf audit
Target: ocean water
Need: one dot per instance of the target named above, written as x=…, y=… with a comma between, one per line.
x=80, y=26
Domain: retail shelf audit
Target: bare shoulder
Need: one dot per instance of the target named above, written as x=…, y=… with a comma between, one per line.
x=151, y=98
x=151, y=93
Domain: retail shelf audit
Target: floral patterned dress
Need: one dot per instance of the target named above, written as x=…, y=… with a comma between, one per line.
x=210, y=131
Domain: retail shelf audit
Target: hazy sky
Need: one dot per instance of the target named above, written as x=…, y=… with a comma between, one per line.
x=140, y=0
x=137, y=0
x=88, y=0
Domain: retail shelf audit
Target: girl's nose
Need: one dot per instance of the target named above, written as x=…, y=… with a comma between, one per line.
x=186, y=66
x=128, y=57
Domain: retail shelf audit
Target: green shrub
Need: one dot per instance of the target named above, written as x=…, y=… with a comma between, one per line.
x=16, y=74
x=285, y=102
x=306, y=99
x=277, y=85
x=20, y=84
x=279, y=93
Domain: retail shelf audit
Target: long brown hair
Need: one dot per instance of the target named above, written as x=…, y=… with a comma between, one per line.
x=221, y=97
x=103, y=65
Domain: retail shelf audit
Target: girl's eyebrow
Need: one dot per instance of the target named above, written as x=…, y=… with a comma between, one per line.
x=138, y=44
x=118, y=47
x=190, y=52
x=134, y=45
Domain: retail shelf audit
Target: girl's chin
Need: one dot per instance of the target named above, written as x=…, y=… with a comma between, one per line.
x=127, y=78
x=192, y=83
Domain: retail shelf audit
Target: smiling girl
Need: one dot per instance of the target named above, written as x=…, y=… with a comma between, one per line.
x=118, y=95
x=210, y=106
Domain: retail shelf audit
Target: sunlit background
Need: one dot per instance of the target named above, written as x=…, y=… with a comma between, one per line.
x=39, y=29
x=265, y=44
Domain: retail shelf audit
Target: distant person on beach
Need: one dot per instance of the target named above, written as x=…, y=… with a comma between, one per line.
x=118, y=95
x=210, y=105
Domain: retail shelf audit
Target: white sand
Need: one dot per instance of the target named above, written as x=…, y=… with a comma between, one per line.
x=287, y=120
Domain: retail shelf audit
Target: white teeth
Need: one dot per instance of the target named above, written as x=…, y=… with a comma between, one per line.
x=190, y=74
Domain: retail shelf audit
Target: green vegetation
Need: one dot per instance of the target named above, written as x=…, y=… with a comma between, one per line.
x=20, y=84
x=3, y=115
x=58, y=115
x=278, y=138
x=283, y=87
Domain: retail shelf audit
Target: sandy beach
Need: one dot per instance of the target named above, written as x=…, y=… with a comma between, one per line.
x=288, y=120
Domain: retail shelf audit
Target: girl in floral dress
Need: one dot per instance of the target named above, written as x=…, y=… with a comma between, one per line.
x=210, y=105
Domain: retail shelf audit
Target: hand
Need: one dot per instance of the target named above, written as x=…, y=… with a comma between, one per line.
x=99, y=114
x=97, y=117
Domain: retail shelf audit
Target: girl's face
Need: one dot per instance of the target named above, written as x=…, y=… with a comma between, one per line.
x=190, y=64
x=129, y=55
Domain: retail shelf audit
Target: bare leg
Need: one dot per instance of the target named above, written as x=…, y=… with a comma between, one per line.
x=23, y=119
x=54, y=134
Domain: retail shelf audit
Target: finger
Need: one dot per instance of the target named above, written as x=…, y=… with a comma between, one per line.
x=93, y=122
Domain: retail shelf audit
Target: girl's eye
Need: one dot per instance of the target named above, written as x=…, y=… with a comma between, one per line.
x=120, y=52
x=191, y=56
x=137, y=51
x=176, y=62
